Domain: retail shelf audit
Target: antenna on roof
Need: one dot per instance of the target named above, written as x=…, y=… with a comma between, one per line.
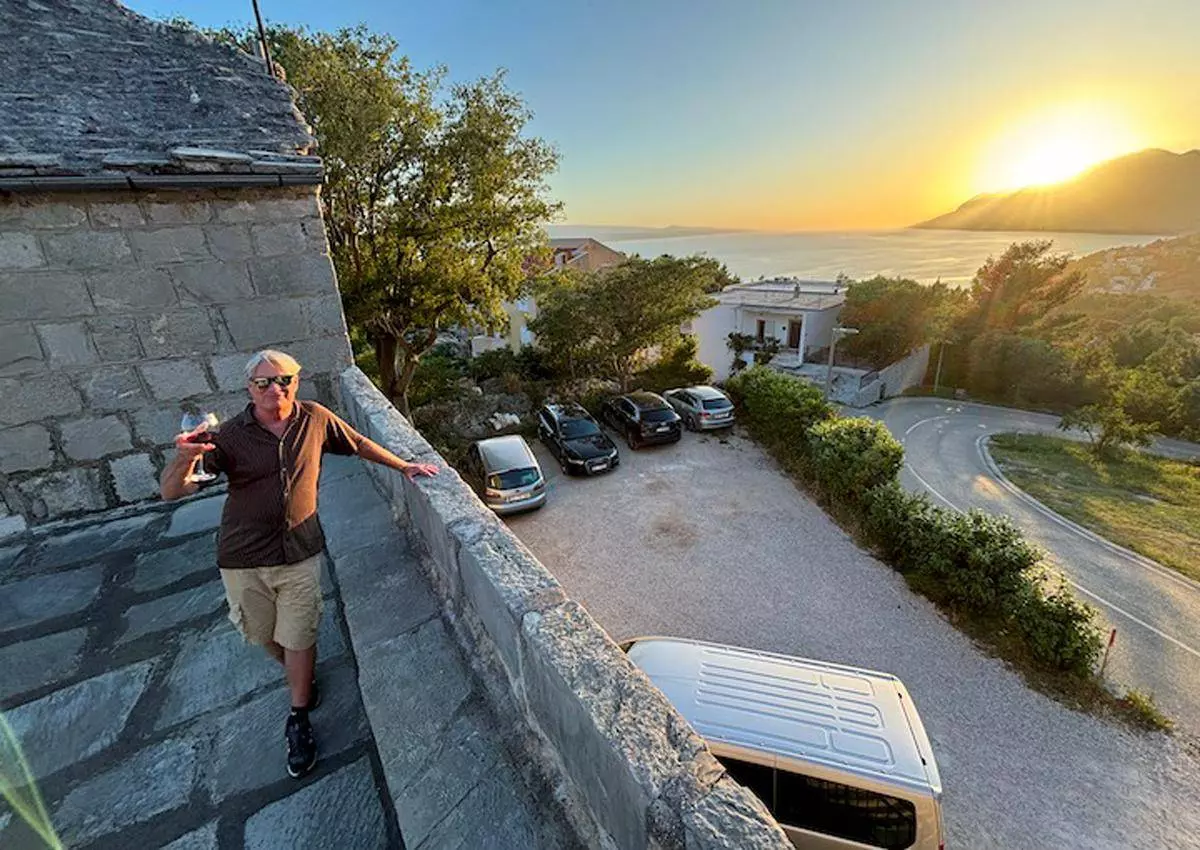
x=262, y=40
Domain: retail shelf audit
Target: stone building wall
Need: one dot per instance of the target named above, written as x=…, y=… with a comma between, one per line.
x=117, y=308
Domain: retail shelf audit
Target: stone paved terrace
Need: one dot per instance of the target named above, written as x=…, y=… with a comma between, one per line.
x=149, y=723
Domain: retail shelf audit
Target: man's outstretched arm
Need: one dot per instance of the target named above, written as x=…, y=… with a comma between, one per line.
x=375, y=453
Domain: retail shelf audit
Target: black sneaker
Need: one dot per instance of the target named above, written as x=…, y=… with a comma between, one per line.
x=314, y=696
x=301, y=745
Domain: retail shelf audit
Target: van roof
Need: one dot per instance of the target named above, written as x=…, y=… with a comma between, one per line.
x=501, y=454
x=843, y=717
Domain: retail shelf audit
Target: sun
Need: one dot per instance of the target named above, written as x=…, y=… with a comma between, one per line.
x=1056, y=144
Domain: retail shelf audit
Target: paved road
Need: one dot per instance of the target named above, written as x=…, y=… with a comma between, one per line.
x=1155, y=611
x=708, y=539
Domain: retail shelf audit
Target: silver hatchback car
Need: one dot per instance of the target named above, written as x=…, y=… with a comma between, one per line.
x=505, y=474
x=702, y=408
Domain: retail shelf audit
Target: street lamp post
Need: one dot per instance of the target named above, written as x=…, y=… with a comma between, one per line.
x=838, y=333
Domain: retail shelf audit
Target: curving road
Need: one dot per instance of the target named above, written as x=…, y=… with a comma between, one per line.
x=1155, y=611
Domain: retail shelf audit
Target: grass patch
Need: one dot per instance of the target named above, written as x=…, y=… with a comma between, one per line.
x=1145, y=503
x=1140, y=709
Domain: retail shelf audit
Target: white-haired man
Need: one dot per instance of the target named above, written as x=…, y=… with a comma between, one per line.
x=270, y=541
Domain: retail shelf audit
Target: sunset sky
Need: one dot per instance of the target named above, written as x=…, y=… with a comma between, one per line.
x=791, y=115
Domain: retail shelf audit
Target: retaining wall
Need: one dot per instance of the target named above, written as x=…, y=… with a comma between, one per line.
x=629, y=767
x=116, y=308
x=894, y=379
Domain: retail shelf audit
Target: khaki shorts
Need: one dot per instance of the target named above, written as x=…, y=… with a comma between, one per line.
x=281, y=604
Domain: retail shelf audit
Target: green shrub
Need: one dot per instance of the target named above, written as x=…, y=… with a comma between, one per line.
x=851, y=456
x=436, y=379
x=1059, y=630
x=493, y=364
x=985, y=560
x=678, y=367
x=781, y=409
x=907, y=529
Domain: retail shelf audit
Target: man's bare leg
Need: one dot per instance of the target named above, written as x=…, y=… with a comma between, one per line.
x=300, y=665
x=274, y=650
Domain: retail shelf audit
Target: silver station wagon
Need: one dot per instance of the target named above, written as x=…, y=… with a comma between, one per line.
x=505, y=474
x=837, y=754
x=702, y=408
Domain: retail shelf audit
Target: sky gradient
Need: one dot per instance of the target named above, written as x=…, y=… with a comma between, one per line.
x=793, y=115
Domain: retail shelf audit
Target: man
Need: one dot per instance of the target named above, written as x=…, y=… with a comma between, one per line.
x=270, y=541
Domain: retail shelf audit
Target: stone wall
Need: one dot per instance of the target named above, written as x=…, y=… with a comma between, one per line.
x=118, y=308
x=626, y=763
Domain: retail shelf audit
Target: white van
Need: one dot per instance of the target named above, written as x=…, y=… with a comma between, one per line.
x=837, y=754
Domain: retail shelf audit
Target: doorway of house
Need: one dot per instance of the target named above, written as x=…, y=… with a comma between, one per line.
x=794, y=334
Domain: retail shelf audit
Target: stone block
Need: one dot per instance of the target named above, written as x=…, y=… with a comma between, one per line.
x=502, y=582
x=11, y=526
x=63, y=492
x=68, y=345
x=339, y=810
x=204, y=838
x=38, y=599
x=79, y=721
x=383, y=591
x=495, y=813
x=20, y=352
x=177, y=334
x=325, y=317
x=43, y=295
x=87, y=249
x=729, y=816
x=161, y=210
x=39, y=662
x=195, y=516
x=115, y=338
x=118, y=214
x=229, y=370
x=322, y=354
x=91, y=542
x=41, y=213
x=20, y=251
x=213, y=669
x=112, y=388
x=25, y=447
x=168, y=612
x=283, y=237
x=165, y=566
x=212, y=282
x=169, y=245
x=155, y=780
x=29, y=401
x=132, y=290
x=156, y=426
x=134, y=477
x=258, y=324
x=169, y=380
x=95, y=437
x=301, y=274
x=229, y=242
x=246, y=750
x=412, y=687
x=266, y=209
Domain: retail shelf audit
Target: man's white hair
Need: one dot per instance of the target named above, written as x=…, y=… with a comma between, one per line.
x=280, y=359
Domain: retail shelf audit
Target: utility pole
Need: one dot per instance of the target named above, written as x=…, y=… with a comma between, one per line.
x=838, y=333
x=937, y=375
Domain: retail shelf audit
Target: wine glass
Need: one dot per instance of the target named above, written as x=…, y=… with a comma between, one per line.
x=192, y=420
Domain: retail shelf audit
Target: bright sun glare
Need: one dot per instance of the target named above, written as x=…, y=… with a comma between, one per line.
x=1056, y=145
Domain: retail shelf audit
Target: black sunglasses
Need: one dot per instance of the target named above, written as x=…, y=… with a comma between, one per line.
x=263, y=383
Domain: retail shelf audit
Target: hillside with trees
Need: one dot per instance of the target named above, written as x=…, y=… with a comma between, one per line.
x=1153, y=191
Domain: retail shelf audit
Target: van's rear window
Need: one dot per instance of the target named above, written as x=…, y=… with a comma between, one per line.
x=844, y=811
x=513, y=478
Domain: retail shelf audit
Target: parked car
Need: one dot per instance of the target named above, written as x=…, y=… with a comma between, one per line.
x=838, y=755
x=575, y=439
x=702, y=408
x=505, y=474
x=643, y=418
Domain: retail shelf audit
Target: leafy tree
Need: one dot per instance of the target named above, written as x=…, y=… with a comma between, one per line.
x=1107, y=424
x=605, y=324
x=1017, y=289
x=895, y=315
x=434, y=196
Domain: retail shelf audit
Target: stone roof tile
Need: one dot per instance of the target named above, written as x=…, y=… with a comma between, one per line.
x=89, y=88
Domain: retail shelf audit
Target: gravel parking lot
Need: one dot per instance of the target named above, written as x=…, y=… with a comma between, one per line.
x=708, y=539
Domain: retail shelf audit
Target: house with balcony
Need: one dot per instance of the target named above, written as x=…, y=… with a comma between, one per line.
x=798, y=314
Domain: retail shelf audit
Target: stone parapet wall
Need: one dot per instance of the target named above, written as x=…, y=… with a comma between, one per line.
x=117, y=308
x=629, y=767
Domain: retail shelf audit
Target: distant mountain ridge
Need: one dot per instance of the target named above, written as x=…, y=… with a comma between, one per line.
x=1166, y=267
x=1150, y=192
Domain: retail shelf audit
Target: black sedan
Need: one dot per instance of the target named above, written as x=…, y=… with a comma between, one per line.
x=575, y=439
x=643, y=418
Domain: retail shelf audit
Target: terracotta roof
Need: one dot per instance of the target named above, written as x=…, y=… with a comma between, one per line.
x=89, y=88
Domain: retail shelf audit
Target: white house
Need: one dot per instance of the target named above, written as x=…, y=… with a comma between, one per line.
x=800, y=314
x=584, y=253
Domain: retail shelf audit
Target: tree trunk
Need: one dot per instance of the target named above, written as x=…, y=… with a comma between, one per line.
x=385, y=356
x=405, y=380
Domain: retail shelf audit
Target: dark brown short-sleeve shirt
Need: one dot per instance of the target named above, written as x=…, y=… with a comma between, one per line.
x=270, y=515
